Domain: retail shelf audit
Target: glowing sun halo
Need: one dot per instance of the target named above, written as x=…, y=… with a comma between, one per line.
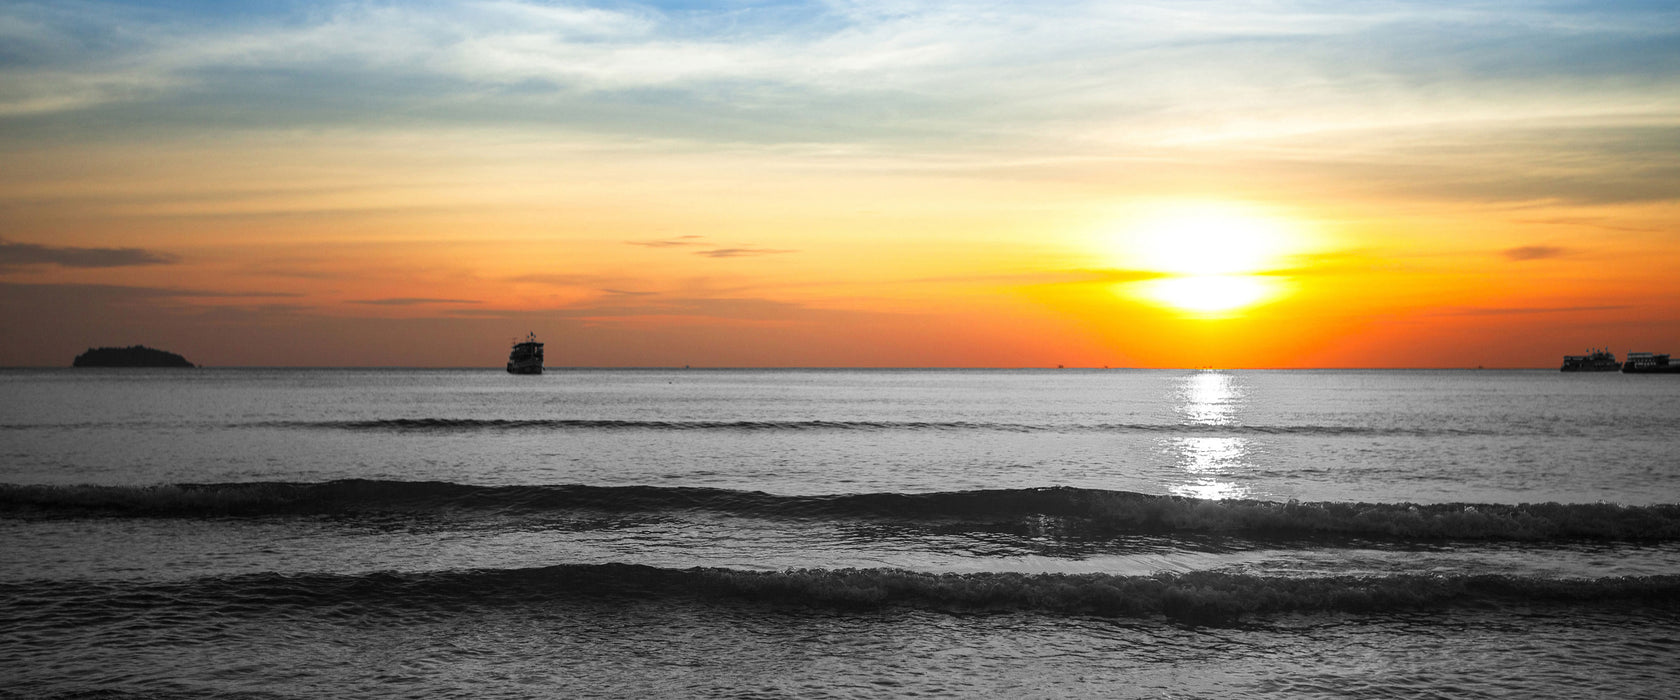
x=1211, y=257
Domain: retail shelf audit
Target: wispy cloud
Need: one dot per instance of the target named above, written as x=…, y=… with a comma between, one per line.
x=1045, y=277
x=1532, y=252
x=1523, y=311
x=742, y=252
x=565, y=280
x=411, y=301
x=608, y=285
x=795, y=69
x=725, y=309
x=20, y=254
x=1517, y=102
x=730, y=310
x=121, y=293
x=693, y=241
x=1602, y=223
x=678, y=242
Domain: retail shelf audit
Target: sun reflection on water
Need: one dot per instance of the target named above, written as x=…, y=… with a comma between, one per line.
x=1205, y=460
x=1211, y=399
x=1207, y=398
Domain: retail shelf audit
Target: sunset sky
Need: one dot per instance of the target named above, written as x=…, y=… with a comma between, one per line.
x=955, y=184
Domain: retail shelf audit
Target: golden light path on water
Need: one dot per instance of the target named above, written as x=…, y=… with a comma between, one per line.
x=1208, y=398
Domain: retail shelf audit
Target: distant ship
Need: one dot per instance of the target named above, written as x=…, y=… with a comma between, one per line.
x=1649, y=363
x=1598, y=361
x=527, y=356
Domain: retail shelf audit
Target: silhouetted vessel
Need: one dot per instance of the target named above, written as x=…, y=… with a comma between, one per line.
x=131, y=356
x=1598, y=361
x=527, y=356
x=1649, y=363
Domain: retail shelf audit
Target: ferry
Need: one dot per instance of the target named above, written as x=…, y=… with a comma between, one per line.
x=1598, y=361
x=527, y=356
x=1649, y=363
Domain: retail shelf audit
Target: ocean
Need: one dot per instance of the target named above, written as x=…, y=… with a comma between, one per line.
x=293, y=533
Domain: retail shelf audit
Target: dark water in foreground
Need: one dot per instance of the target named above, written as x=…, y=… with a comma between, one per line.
x=246, y=533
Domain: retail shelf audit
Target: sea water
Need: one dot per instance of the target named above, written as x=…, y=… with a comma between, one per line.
x=838, y=533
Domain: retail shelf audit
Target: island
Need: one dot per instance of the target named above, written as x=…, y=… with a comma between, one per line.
x=132, y=356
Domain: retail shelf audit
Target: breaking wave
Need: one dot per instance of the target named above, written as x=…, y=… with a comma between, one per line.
x=444, y=425
x=441, y=425
x=1197, y=597
x=1087, y=511
x=471, y=425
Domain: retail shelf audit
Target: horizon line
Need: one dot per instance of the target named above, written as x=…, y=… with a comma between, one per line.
x=488, y=368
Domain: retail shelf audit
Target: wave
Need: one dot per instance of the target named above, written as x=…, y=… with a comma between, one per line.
x=1072, y=511
x=1198, y=597
x=468, y=425
x=443, y=425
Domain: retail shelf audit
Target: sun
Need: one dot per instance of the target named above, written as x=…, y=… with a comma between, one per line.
x=1212, y=259
x=1210, y=294
x=1203, y=240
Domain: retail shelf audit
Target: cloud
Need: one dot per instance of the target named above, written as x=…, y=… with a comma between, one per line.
x=58, y=296
x=1598, y=222
x=709, y=309
x=411, y=301
x=18, y=254
x=1532, y=252
x=690, y=241
x=960, y=68
x=677, y=242
x=1074, y=276
x=1520, y=311
x=1338, y=262
x=49, y=295
x=605, y=284
x=741, y=252
x=563, y=280
x=651, y=308
x=1437, y=100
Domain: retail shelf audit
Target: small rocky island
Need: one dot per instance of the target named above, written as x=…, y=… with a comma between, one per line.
x=132, y=356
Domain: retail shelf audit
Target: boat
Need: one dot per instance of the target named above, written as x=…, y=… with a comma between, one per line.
x=1649, y=363
x=526, y=357
x=1597, y=361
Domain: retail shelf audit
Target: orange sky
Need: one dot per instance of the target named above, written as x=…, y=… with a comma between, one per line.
x=783, y=184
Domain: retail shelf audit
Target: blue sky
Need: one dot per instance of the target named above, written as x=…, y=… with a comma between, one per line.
x=840, y=71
